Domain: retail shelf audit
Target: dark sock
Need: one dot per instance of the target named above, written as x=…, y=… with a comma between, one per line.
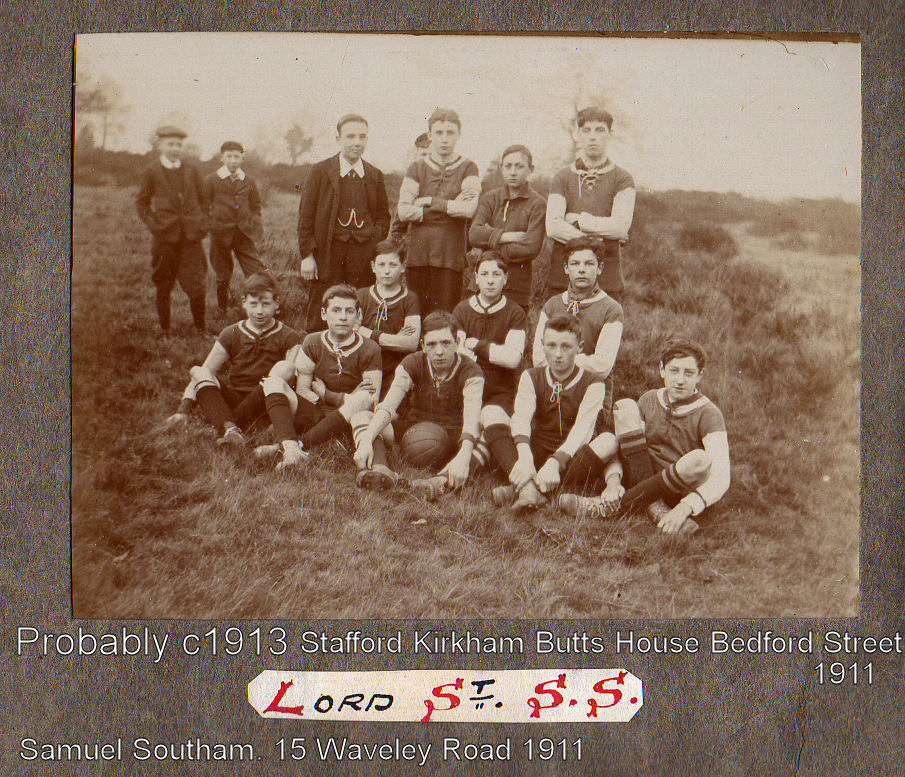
x=196, y=305
x=502, y=447
x=584, y=472
x=280, y=416
x=163, y=309
x=380, y=452
x=664, y=484
x=635, y=457
x=223, y=296
x=251, y=408
x=186, y=406
x=328, y=428
x=214, y=407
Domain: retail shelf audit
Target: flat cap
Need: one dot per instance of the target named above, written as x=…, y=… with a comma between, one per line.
x=170, y=131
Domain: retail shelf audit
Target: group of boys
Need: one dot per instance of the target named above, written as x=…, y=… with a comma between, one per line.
x=462, y=402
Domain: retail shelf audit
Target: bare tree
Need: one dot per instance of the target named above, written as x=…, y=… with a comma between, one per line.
x=298, y=141
x=100, y=99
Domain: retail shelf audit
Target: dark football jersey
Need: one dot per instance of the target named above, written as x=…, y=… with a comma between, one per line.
x=253, y=354
x=341, y=367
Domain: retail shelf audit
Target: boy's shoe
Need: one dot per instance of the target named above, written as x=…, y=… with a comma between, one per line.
x=293, y=455
x=529, y=498
x=379, y=478
x=266, y=451
x=232, y=436
x=656, y=510
x=429, y=488
x=177, y=419
x=503, y=496
x=582, y=506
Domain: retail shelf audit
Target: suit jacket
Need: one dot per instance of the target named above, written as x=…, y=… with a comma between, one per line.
x=166, y=211
x=320, y=204
x=234, y=205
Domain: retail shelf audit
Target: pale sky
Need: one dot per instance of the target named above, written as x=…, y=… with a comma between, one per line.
x=761, y=117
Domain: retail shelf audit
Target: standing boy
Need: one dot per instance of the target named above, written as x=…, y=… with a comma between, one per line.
x=441, y=387
x=673, y=448
x=337, y=373
x=248, y=350
x=591, y=197
x=556, y=408
x=438, y=195
x=236, y=220
x=343, y=214
x=172, y=204
x=390, y=312
x=510, y=220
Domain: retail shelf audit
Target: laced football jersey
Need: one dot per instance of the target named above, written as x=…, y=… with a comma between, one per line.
x=592, y=314
x=492, y=325
x=388, y=315
x=674, y=429
x=433, y=399
x=340, y=367
x=556, y=404
x=253, y=354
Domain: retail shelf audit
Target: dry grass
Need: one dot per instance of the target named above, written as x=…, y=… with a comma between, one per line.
x=167, y=525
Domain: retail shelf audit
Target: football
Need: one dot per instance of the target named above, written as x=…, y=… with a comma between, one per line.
x=424, y=443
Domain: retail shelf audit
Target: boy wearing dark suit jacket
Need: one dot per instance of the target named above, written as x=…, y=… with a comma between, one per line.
x=236, y=220
x=343, y=214
x=172, y=204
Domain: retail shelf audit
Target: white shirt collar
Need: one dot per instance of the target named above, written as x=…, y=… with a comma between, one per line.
x=224, y=173
x=344, y=167
x=170, y=165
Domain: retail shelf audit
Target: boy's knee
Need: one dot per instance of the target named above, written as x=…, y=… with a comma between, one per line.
x=493, y=414
x=201, y=376
x=694, y=465
x=274, y=385
x=356, y=402
x=627, y=417
x=361, y=418
x=604, y=446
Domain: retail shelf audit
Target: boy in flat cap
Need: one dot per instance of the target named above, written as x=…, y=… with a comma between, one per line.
x=172, y=203
x=236, y=220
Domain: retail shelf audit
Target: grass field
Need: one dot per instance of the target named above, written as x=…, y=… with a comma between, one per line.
x=165, y=524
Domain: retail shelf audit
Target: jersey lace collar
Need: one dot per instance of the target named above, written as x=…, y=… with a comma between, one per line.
x=552, y=382
x=341, y=350
x=477, y=307
x=682, y=407
x=249, y=331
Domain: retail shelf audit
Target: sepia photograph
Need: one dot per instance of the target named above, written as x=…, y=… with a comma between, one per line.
x=383, y=326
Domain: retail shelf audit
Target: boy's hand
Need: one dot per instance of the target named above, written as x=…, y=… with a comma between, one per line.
x=422, y=202
x=512, y=237
x=548, y=476
x=309, y=268
x=407, y=330
x=521, y=473
x=364, y=454
x=457, y=470
x=363, y=330
x=673, y=520
x=572, y=218
x=319, y=388
x=612, y=496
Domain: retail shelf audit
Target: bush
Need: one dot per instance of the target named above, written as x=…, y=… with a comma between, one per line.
x=709, y=239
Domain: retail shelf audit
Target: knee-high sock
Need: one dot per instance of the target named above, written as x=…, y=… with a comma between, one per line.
x=635, y=457
x=584, y=472
x=196, y=305
x=214, y=407
x=223, y=295
x=664, y=483
x=251, y=408
x=502, y=447
x=163, y=309
x=280, y=413
x=329, y=427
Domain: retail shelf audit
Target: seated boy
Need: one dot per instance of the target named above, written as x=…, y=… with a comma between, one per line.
x=673, y=448
x=249, y=349
x=599, y=316
x=390, y=313
x=510, y=220
x=441, y=387
x=337, y=373
x=556, y=409
x=492, y=331
x=236, y=220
